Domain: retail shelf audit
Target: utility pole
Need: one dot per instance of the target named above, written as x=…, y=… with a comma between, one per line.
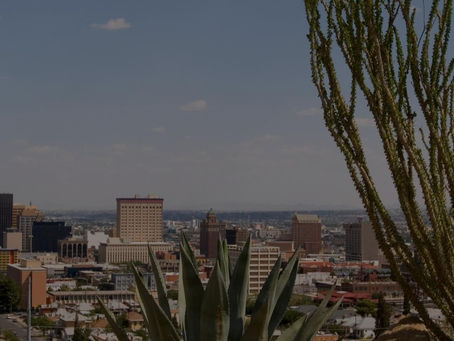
x=29, y=307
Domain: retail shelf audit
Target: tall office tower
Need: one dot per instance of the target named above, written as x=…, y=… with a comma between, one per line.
x=17, y=211
x=360, y=242
x=26, y=219
x=307, y=232
x=140, y=219
x=210, y=229
x=6, y=213
x=46, y=235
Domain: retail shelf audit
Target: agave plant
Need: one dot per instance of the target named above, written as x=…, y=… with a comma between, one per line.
x=218, y=312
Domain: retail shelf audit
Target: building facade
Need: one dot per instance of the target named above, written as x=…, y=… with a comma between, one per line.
x=360, y=242
x=261, y=263
x=118, y=251
x=46, y=235
x=12, y=239
x=73, y=250
x=307, y=232
x=6, y=213
x=27, y=217
x=210, y=231
x=125, y=281
x=140, y=219
x=8, y=256
x=20, y=273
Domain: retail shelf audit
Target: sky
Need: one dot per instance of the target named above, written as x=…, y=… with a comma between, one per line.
x=203, y=103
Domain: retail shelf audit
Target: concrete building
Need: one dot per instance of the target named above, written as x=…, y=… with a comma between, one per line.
x=75, y=297
x=140, y=219
x=262, y=261
x=73, y=250
x=28, y=216
x=307, y=232
x=12, y=239
x=7, y=256
x=124, y=281
x=210, y=231
x=6, y=213
x=360, y=242
x=20, y=273
x=121, y=251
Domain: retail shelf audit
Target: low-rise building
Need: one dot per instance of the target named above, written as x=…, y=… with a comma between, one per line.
x=121, y=251
x=71, y=297
x=20, y=273
x=124, y=281
x=7, y=256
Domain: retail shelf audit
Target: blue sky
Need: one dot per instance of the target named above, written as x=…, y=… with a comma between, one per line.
x=205, y=103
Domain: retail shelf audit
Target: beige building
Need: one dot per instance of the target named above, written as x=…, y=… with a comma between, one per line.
x=360, y=242
x=20, y=273
x=140, y=219
x=12, y=239
x=262, y=261
x=120, y=251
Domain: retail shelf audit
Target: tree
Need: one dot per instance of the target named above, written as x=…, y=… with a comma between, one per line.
x=383, y=315
x=405, y=77
x=366, y=307
x=9, y=295
x=43, y=323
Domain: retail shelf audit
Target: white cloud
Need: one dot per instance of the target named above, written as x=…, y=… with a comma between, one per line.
x=310, y=112
x=158, y=130
x=198, y=105
x=365, y=122
x=113, y=25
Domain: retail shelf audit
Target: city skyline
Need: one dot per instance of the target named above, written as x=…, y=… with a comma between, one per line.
x=203, y=104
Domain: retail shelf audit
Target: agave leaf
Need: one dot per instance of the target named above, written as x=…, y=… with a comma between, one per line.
x=264, y=292
x=181, y=296
x=291, y=332
x=160, y=283
x=258, y=328
x=118, y=331
x=316, y=320
x=193, y=292
x=185, y=244
x=223, y=258
x=284, y=291
x=214, y=316
x=158, y=321
x=153, y=332
x=238, y=291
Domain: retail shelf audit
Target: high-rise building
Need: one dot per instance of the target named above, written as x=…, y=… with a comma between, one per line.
x=17, y=211
x=210, y=230
x=6, y=213
x=27, y=217
x=46, y=235
x=140, y=219
x=307, y=232
x=261, y=263
x=12, y=239
x=360, y=242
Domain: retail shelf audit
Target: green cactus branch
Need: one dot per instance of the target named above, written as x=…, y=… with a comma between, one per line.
x=406, y=79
